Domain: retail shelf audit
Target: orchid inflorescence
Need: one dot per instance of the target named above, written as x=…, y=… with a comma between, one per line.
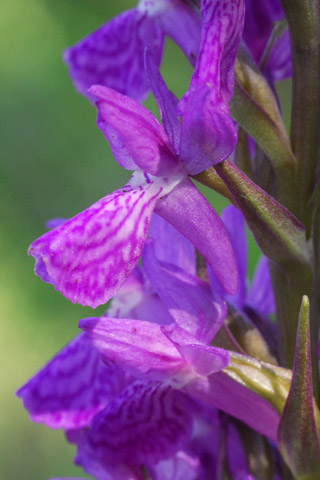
x=194, y=372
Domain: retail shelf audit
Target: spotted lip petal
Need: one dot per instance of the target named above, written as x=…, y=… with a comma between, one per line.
x=90, y=256
x=147, y=422
x=72, y=388
x=113, y=55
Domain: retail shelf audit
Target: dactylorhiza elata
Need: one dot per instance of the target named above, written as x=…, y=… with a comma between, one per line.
x=152, y=389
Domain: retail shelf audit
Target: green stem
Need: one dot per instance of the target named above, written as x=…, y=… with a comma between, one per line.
x=304, y=24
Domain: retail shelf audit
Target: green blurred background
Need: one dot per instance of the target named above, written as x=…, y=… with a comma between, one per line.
x=54, y=163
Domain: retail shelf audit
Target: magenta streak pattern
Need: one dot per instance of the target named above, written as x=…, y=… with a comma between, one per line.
x=88, y=257
x=72, y=388
x=113, y=55
x=142, y=411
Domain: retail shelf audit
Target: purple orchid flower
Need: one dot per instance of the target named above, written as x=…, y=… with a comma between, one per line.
x=260, y=20
x=109, y=408
x=90, y=256
x=76, y=390
x=113, y=54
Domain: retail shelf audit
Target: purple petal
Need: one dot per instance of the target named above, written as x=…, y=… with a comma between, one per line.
x=201, y=359
x=170, y=246
x=231, y=397
x=188, y=299
x=137, y=346
x=182, y=24
x=193, y=216
x=260, y=18
x=260, y=297
x=166, y=101
x=72, y=388
x=179, y=467
x=279, y=65
x=146, y=423
x=136, y=137
x=90, y=256
x=113, y=55
x=138, y=301
x=233, y=221
x=91, y=465
x=208, y=134
x=222, y=24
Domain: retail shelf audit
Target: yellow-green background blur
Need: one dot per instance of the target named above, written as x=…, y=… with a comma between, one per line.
x=54, y=163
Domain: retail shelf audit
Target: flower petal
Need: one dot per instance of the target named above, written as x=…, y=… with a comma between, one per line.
x=182, y=24
x=222, y=24
x=179, y=467
x=235, y=399
x=166, y=101
x=201, y=359
x=233, y=221
x=90, y=256
x=208, y=134
x=72, y=388
x=188, y=299
x=260, y=296
x=136, y=137
x=190, y=213
x=147, y=422
x=138, y=301
x=138, y=347
x=171, y=246
x=113, y=55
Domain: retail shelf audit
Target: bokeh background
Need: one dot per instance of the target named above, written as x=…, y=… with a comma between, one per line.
x=54, y=163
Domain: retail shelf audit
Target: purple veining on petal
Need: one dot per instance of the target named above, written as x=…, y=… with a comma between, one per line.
x=101, y=471
x=139, y=347
x=72, y=388
x=208, y=134
x=222, y=24
x=171, y=246
x=113, y=55
x=188, y=299
x=166, y=101
x=147, y=422
x=135, y=136
x=193, y=216
x=90, y=256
